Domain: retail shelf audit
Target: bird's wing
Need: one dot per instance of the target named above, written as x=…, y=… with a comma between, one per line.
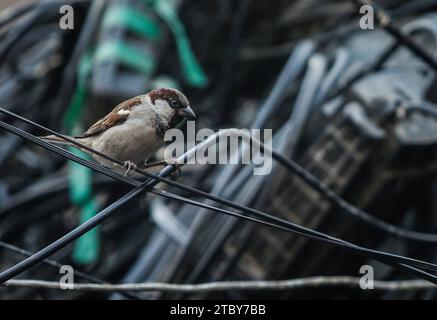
x=117, y=116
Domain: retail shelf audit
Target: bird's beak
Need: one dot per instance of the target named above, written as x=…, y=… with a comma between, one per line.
x=187, y=113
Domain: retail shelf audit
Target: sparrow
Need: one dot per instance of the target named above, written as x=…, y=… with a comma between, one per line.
x=134, y=130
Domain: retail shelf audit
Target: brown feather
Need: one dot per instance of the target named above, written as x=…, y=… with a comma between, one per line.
x=113, y=118
x=163, y=94
x=56, y=139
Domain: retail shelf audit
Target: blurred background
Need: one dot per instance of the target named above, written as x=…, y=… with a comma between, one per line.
x=354, y=107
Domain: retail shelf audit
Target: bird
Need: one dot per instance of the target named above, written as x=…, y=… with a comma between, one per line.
x=134, y=130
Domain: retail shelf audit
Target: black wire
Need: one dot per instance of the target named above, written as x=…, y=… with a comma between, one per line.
x=57, y=265
x=12, y=13
x=38, y=15
x=66, y=154
x=385, y=55
x=412, y=7
x=42, y=190
x=352, y=210
x=103, y=215
x=87, y=32
x=66, y=138
x=422, y=108
x=84, y=227
x=283, y=160
x=345, y=207
x=380, y=256
x=288, y=163
x=70, y=236
x=389, y=25
x=136, y=183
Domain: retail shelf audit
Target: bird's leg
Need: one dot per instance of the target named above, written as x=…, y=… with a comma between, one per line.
x=130, y=168
x=177, y=166
x=170, y=161
x=154, y=164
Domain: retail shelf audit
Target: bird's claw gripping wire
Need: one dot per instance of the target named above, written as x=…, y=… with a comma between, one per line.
x=130, y=168
x=176, y=166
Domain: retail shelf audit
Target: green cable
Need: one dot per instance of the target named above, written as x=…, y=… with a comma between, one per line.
x=74, y=110
x=136, y=22
x=86, y=248
x=193, y=72
x=144, y=26
x=127, y=54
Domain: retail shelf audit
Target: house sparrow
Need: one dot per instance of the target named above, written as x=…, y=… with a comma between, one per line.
x=134, y=130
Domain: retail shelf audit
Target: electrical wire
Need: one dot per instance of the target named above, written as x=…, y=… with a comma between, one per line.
x=388, y=24
x=9, y=14
x=306, y=176
x=292, y=284
x=57, y=265
x=389, y=259
x=412, y=7
x=224, y=185
x=423, y=109
x=70, y=236
x=36, y=16
x=386, y=258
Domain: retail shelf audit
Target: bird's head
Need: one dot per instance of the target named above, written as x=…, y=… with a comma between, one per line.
x=171, y=106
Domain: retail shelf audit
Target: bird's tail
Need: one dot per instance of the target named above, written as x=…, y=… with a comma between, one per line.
x=57, y=140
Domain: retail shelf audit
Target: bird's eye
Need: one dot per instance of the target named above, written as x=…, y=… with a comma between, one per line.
x=174, y=103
